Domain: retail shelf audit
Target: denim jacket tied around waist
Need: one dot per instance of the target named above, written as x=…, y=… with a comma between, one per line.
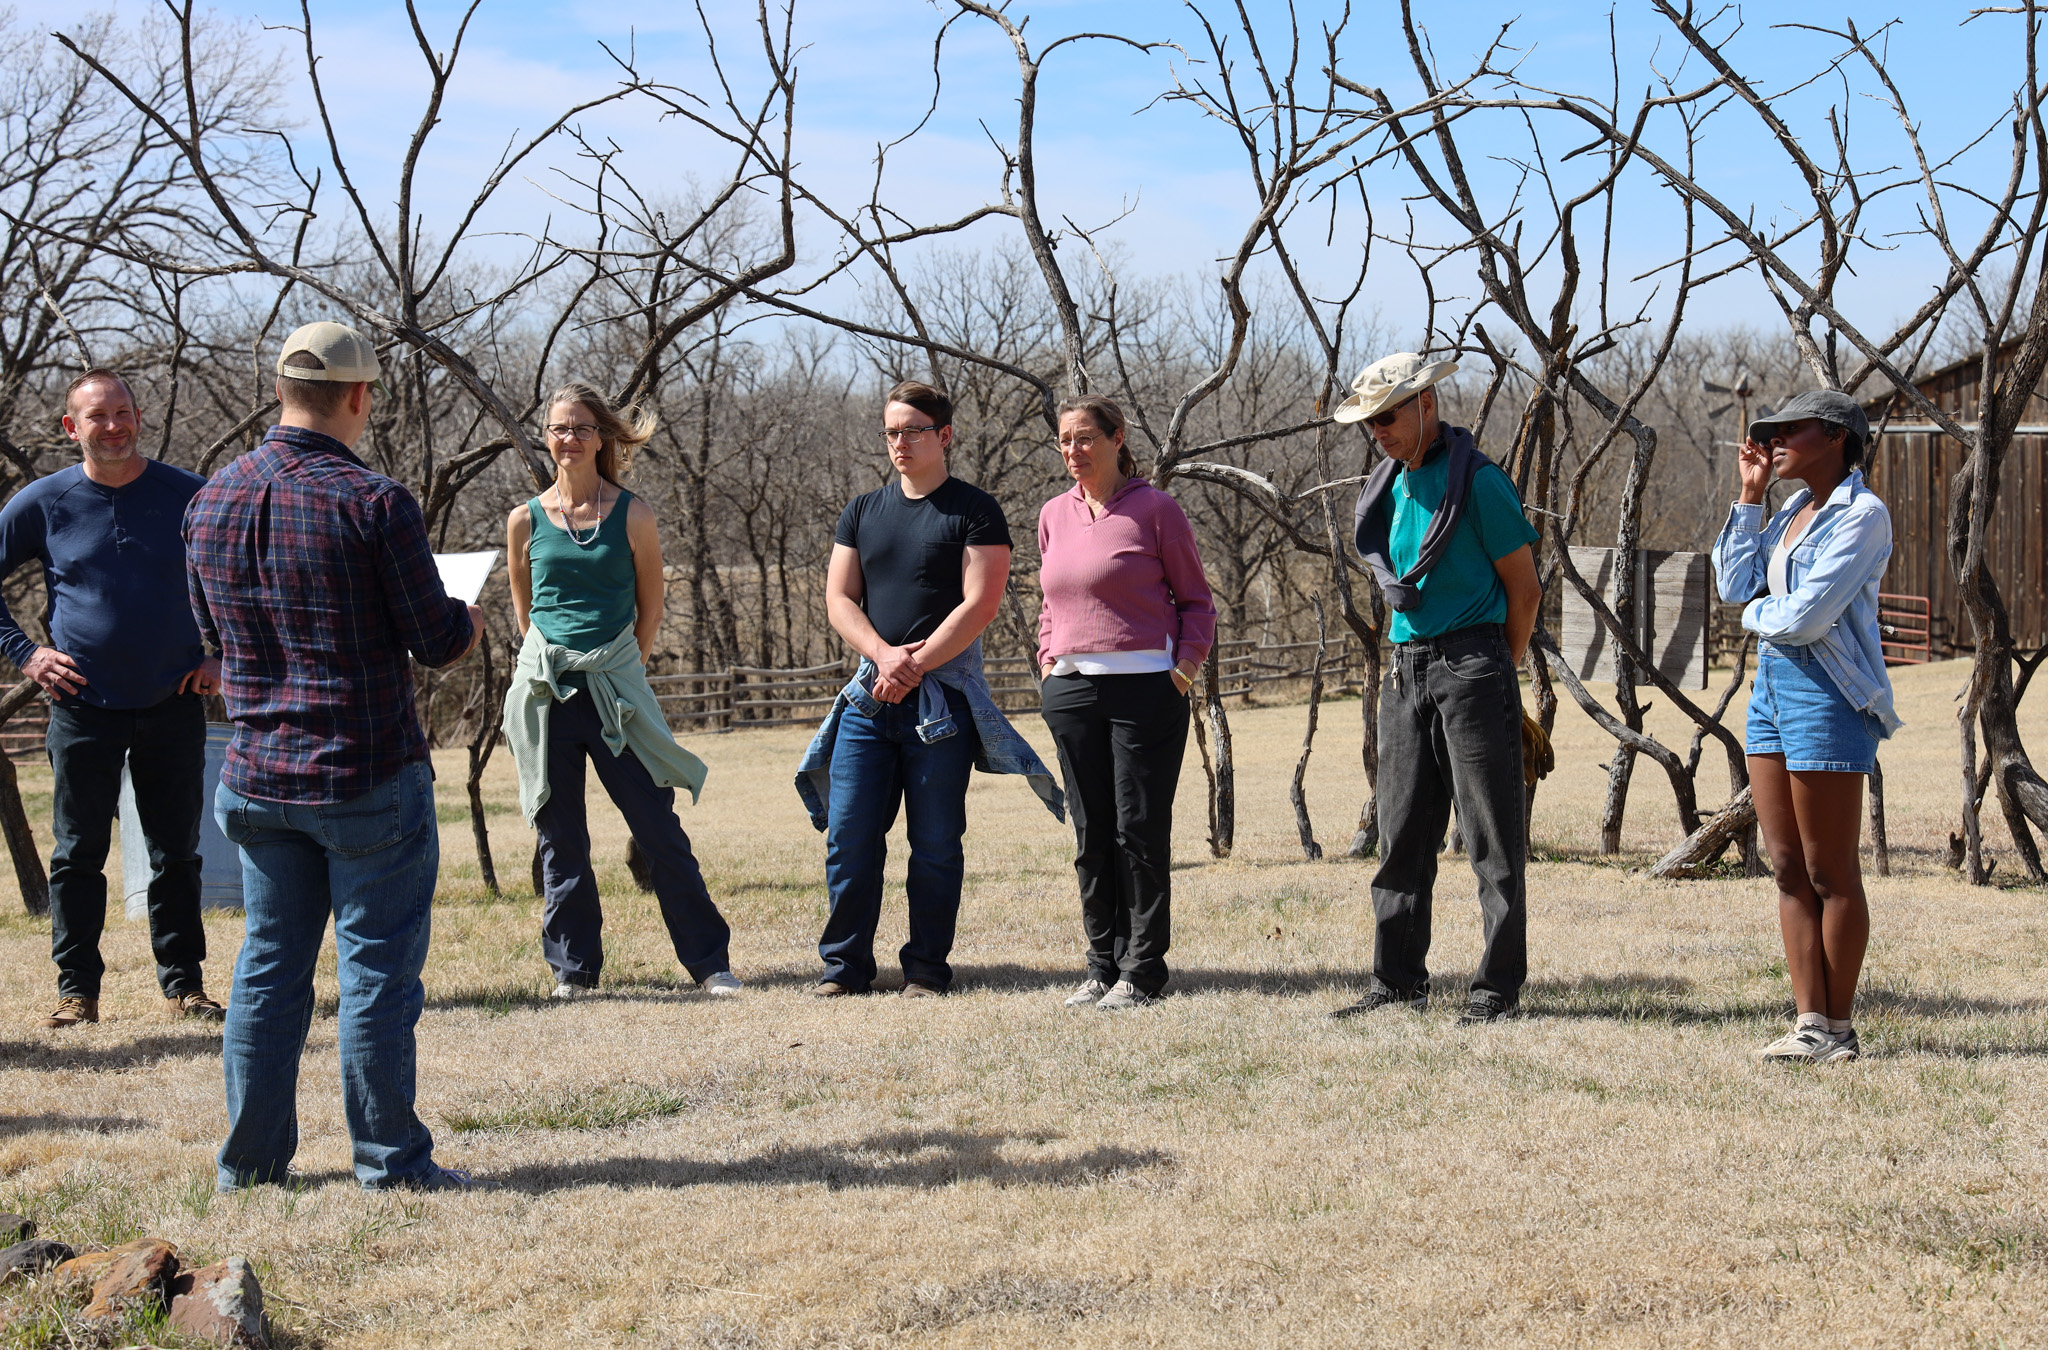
x=1833, y=573
x=1002, y=749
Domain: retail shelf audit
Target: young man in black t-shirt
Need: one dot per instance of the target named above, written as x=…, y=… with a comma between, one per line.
x=918, y=569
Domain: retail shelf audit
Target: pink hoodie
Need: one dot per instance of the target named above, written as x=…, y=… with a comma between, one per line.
x=1125, y=582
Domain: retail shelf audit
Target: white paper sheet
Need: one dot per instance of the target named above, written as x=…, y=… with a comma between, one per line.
x=464, y=574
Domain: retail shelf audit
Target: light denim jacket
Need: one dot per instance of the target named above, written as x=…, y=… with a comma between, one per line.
x=1002, y=749
x=1833, y=571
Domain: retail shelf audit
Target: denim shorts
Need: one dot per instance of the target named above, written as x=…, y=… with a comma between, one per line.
x=1796, y=711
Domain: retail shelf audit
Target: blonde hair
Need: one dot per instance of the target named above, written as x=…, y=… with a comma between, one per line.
x=620, y=431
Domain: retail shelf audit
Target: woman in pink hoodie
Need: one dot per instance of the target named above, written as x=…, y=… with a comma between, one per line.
x=1126, y=624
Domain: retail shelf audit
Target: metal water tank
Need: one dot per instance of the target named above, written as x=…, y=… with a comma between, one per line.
x=220, y=862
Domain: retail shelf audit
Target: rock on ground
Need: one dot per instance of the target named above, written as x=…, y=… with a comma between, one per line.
x=15, y=1227
x=133, y=1272
x=221, y=1303
x=32, y=1258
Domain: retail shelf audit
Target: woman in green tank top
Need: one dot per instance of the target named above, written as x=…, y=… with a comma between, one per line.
x=585, y=558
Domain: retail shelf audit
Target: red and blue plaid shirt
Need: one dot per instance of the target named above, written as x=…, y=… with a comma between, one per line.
x=312, y=577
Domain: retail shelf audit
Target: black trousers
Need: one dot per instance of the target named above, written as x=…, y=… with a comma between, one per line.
x=572, y=923
x=165, y=750
x=1450, y=728
x=1120, y=740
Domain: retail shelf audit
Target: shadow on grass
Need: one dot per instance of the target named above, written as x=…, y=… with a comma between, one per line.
x=914, y=1158
x=1009, y=977
x=73, y=1053
x=1638, y=996
x=47, y=1123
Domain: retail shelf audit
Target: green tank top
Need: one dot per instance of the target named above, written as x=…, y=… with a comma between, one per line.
x=583, y=592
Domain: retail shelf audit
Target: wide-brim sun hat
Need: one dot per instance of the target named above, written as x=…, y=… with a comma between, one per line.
x=1827, y=405
x=1388, y=381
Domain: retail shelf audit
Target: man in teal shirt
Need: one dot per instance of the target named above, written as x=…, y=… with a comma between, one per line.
x=1441, y=528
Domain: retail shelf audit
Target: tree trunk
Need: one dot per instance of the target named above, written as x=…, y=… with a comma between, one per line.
x=1706, y=844
x=1208, y=768
x=1310, y=849
x=21, y=843
x=21, y=838
x=1619, y=770
x=1223, y=789
x=482, y=742
x=1880, y=845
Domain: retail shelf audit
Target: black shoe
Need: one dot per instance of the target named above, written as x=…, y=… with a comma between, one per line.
x=1377, y=998
x=1487, y=1006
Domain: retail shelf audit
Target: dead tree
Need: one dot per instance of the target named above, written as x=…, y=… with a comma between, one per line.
x=2011, y=315
x=1511, y=242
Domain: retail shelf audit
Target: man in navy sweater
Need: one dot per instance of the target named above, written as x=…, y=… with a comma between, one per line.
x=124, y=672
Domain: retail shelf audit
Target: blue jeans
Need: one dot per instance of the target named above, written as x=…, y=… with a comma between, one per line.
x=878, y=762
x=370, y=862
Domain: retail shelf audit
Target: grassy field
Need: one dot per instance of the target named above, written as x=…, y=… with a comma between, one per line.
x=1230, y=1168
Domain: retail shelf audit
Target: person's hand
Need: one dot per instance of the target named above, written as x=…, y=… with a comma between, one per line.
x=1183, y=679
x=1045, y=672
x=1753, y=465
x=54, y=671
x=203, y=678
x=897, y=671
x=476, y=631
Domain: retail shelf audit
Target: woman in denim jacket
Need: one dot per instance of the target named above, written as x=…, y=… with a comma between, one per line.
x=1821, y=702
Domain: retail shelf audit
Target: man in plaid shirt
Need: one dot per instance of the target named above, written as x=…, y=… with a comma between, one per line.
x=313, y=578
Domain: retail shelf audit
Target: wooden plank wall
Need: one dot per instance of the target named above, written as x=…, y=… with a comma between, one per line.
x=1911, y=468
x=1676, y=619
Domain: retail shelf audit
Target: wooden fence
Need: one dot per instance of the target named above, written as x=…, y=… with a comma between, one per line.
x=22, y=735
x=753, y=697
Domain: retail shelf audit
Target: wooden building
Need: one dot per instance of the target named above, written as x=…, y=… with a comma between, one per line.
x=1911, y=467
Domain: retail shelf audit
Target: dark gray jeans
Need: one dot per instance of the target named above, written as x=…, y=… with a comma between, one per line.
x=1450, y=729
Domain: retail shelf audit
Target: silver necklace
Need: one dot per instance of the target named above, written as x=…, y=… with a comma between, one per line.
x=569, y=526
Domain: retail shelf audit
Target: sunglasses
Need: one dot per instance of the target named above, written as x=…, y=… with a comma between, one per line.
x=1386, y=419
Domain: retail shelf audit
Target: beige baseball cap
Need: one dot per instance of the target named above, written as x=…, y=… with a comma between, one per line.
x=1388, y=381
x=345, y=356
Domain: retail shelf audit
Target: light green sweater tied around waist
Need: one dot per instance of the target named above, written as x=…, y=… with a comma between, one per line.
x=626, y=709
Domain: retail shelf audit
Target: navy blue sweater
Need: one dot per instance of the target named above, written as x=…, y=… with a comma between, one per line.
x=114, y=562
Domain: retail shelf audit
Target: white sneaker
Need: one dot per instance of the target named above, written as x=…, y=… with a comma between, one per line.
x=1091, y=991
x=1801, y=1045
x=724, y=984
x=566, y=992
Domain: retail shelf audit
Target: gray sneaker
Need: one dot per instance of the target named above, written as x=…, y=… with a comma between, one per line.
x=1091, y=991
x=724, y=984
x=1122, y=995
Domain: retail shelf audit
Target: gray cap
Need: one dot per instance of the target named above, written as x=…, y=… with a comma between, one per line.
x=1828, y=405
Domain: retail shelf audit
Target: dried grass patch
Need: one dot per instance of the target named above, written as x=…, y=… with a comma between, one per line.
x=1229, y=1168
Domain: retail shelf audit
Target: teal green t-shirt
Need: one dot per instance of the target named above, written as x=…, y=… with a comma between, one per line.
x=584, y=591
x=1462, y=589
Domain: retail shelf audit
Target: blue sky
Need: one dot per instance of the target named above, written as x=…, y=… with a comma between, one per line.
x=865, y=76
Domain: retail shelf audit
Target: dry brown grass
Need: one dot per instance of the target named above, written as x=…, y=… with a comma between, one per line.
x=1230, y=1168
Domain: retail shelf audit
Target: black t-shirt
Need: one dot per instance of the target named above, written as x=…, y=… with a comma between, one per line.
x=911, y=552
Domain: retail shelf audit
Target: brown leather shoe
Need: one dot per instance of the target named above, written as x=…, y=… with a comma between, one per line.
x=71, y=1011
x=195, y=1003
x=829, y=989
x=919, y=989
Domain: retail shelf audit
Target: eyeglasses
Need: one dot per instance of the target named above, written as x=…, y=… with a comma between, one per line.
x=1085, y=443
x=1386, y=419
x=582, y=431
x=907, y=435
